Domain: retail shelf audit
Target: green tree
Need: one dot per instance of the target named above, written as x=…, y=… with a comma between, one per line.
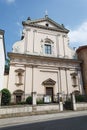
x=6, y=97
x=29, y=100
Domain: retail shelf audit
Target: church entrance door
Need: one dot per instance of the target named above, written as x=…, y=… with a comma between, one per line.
x=18, y=98
x=49, y=92
x=18, y=95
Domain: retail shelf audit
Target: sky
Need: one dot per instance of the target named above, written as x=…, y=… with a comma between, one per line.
x=71, y=13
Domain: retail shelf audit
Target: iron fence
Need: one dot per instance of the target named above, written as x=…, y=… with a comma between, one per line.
x=81, y=98
x=66, y=97
x=41, y=98
x=19, y=99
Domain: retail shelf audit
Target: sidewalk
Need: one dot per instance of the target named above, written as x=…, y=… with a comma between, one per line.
x=40, y=118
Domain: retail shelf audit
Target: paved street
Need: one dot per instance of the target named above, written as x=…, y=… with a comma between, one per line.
x=67, y=120
x=74, y=123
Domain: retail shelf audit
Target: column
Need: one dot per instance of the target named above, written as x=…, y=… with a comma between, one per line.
x=0, y=97
x=57, y=45
x=34, y=98
x=60, y=101
x=66, y=80
x=60, y=87
x=34, y=84
x=58, y=81
x=34, y=40
x=26, y=41
x=63, y=36
x=73, y=101
x=80, y=83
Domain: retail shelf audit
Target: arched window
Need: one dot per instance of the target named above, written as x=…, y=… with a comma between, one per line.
x=48, y=46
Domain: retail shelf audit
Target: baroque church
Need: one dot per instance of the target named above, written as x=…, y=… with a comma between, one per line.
x=42, y=62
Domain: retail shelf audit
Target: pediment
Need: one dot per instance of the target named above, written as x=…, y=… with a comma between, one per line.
x=46, y=23
x=18, y=92
x=49, y=82
x=73, y=74
x=19, y=70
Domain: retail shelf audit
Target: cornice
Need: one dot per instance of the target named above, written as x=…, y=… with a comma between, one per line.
x=47, y=28
x=42, y=58
x=47, y=19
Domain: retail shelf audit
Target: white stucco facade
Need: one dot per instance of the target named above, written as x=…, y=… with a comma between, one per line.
x=42, y=62
x=2, y=58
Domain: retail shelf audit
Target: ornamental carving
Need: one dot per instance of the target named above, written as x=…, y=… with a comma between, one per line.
x=49, y=82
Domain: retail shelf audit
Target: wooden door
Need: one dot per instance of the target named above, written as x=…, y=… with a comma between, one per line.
x=18, y=98
x=49, y=92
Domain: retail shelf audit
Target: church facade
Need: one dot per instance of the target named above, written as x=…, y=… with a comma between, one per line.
x=42, y=61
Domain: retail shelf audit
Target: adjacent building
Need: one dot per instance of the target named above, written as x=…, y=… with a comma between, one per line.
x=82, y=55
x=42, y=61
x=2, y=58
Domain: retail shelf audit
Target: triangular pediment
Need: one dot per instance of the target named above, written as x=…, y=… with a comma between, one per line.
x=49, y=82
x=46, y=23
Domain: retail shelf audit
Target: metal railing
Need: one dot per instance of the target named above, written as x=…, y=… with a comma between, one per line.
x=41, y=99
x=81, y=98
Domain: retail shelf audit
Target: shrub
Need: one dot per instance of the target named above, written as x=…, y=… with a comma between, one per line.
x=21, y=103
x=12, y=103
x=29, y=100
x=6, y=97
x=40, y=101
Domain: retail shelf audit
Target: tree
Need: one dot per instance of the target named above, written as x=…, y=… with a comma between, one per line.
x=6, y=97
x=29, y=100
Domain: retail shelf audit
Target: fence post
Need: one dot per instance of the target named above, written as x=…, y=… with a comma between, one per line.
x=0, y=97
x=34, y=97
x=60, y=101
x=73, y=101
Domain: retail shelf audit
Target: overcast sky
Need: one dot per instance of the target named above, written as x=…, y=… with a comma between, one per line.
x=71, y=13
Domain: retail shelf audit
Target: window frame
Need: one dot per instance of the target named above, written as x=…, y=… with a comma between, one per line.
x=74, y=79
x=19, y=77
x=48, y=49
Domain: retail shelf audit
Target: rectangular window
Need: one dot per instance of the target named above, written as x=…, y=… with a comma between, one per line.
x=47, y=49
